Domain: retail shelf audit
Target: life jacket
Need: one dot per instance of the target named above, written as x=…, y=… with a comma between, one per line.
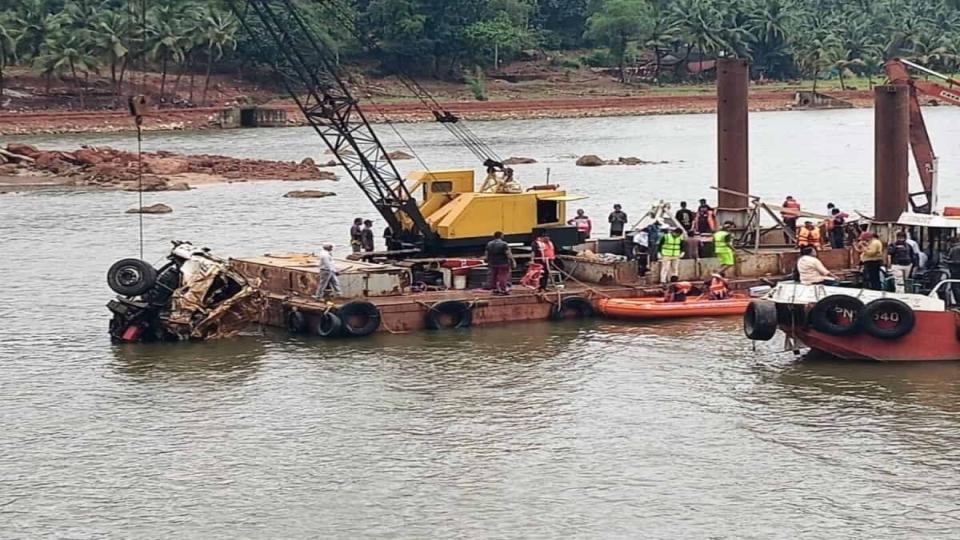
x=672, y=245
x=706, y=216
x=720, y=245
x=546, y=249
x=901, y=254
x=792, y=205
x=808, y=237
x=718, y=287
x=683, y=287
x=583, y=224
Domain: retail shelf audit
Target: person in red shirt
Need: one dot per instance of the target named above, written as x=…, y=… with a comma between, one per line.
x=790, y=215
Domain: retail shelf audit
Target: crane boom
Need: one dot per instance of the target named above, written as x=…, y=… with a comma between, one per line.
x=310, y=74
x=920, y=145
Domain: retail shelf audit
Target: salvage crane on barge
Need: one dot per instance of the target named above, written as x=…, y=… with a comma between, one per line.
x=451, y=215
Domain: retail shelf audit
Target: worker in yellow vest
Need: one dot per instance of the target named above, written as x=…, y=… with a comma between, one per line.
x=809, y=235
x=671, y=250
x=723, y=246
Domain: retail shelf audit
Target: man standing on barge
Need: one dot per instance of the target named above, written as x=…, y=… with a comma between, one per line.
x=499, y=262
x=328, y=274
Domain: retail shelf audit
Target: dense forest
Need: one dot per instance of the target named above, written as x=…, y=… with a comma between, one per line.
x=186, y=40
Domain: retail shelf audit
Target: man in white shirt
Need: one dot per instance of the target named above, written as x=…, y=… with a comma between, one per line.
x=328, y=274
x=811, y=270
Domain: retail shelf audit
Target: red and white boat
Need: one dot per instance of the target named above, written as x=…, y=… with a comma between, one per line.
x=858, y=324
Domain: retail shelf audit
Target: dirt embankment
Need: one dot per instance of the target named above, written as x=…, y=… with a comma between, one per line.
x=24, y=164
x=506, y=109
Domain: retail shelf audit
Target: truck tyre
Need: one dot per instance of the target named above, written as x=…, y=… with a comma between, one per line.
x=296, y=322
x=760, y=320
x=360, y=318
x=888, y=318
x=131, y=277
x=572, y=307
x=330, y=325
x=449, y=314
x=837, y=315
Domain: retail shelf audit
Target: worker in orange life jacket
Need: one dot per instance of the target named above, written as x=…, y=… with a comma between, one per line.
x=677, y=291
x=718, y=286
x=790, y=215
x=544, y=253
x=583, y=223
x=809, y=235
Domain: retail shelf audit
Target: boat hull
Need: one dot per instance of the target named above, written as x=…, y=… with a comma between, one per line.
x=934, y=338
x=656, y=309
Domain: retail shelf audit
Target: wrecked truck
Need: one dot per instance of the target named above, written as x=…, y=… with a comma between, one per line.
x=193, y=296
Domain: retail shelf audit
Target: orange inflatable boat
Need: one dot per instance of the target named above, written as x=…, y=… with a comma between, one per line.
x=656, y=308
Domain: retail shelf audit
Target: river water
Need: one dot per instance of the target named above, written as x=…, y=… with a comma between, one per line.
x=594, y=430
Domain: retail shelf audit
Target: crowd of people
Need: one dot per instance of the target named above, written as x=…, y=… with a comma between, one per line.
x=902, y=259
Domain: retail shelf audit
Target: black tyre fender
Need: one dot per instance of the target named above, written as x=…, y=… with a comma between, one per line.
x=877, y=316
x=459, y=312
x=330, y=325
x=823, y=315
x=760, y=320
x=580, y=307
x=131, y=277
x=296, y=322
x=360, y=318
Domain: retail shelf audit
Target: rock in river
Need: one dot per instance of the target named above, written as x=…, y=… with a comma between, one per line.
x=398, y=155
x=159, y=208
x=309, y=194
x=518, y=161
x=590, y=160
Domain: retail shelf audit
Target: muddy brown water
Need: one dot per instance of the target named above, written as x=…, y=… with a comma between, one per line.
x=595, y=430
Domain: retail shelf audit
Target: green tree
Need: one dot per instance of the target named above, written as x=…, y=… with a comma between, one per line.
x=615, y=23
x=112, y=36
x=494, y=38
x=164, y=40
x=8, y=47
x=65, y=53
x=219, y=34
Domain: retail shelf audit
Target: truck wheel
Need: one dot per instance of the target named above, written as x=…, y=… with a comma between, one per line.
x=449, y=314
x=572, y=307
x=360, y=318
x=888, y=318
x=837, y=315
x=131, y=277
x=760, y=320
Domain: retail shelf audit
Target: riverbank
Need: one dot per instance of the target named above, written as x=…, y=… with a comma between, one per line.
x=23, y=166
x=517, y=108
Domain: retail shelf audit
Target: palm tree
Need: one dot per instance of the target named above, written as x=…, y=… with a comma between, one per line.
x=768, y=28
x=163, y=41
x=662, y=38
x=35, y=23
x=220, y=32
x=8, y=48
x=700, y=23
x=66, y=53
x=113, y=33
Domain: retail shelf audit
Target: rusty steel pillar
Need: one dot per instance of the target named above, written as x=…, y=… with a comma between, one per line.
x=733, y=155
x=891, y=151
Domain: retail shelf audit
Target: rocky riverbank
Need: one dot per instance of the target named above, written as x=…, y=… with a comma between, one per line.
x=24, y=164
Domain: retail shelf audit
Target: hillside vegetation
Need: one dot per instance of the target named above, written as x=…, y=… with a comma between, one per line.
x=665, y=41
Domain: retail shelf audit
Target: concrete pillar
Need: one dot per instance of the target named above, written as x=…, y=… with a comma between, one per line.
x=733, y=155
x=891, y=151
